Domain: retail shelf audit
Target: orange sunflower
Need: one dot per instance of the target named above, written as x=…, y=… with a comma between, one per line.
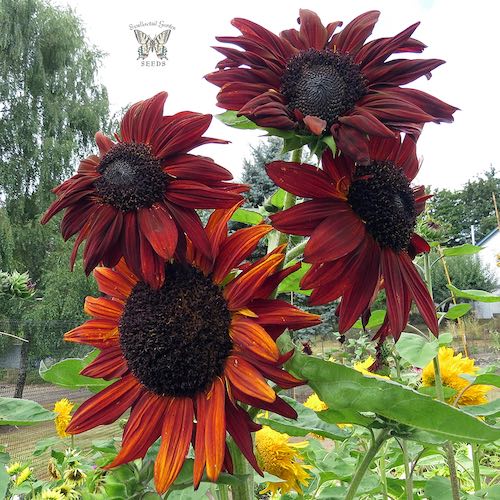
x=137, y=199
x=187, y=353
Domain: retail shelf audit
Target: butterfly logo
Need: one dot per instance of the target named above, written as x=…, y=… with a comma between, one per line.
x=148, y=44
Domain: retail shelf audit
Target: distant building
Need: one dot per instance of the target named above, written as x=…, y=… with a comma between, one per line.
x=490, y=257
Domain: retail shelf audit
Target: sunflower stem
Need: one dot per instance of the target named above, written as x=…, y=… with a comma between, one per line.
x=222, y=492
x=365, y=464
x=408, y=478
x=383, y=477
x=245, y=489
x=475, y=463
x=448, y=446
x=295, y=251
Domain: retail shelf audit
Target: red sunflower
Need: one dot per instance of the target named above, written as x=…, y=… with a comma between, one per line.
x=137, y=199
x=361, y=222
x=187, y=353
x=318, y=80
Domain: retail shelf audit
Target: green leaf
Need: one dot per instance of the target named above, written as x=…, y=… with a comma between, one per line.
x=329, y=141
x=448, y=392
x=296, y=142
x=341, y=387
x=14, y=411
x=247, y=216
x=483, y=379
x=292, y=282
x=438, y=488
x=376, y=319
x=44, y=444
x=477, y=295
x=231, y=119
x=4, y=482
x=445, y=338
x=457, y=311
x=307, y=422
x=417, y=350
x=491, y=409
x=66, y=373
x=466, y=249
x=278, y=198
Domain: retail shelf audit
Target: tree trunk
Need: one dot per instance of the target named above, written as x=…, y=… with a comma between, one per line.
x=23, y=369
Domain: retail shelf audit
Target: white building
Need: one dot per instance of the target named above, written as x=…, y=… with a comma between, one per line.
x=490, y=257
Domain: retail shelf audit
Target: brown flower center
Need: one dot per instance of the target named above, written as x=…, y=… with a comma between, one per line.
x=322, y=83
x=381, y=195
x=176, y=339
x=131, y=177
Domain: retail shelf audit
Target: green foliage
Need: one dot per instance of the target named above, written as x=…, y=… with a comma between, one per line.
x=471, y=205
x=15, y=411
x=466, y=272
x=417, y=350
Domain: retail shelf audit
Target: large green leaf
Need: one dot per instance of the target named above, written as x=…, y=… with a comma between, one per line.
x=487, y=379
x=457, y=311
x=417, y=350
x=14, y=411
x=292, y=282
x=307, y=422
x=491, y=409
x=477, y=295
x=466, y=249
x=247, y=216
x=66, y=373
x=341, y=387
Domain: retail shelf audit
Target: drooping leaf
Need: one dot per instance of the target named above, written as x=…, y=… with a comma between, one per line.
x=341, y=387
x=417, y=350
x=66, y=373
x=308, y=422
x=231, y=119
x=15, y=411
x=247, y=216
x=457, y=311
x=465, y=249
x=477, y=295
x=376, y=319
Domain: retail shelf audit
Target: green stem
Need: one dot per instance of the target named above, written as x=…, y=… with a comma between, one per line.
x=408, y=478
x=365, y=464
x=383, y=477
x=295, y=251
x=244, y=490
x=475, y=464
x=222, y=492
x=448, y=446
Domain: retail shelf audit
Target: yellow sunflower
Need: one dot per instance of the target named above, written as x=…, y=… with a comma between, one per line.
x=314, y=403
x=452, y=367
x=362, y=367
x=279, y=457
x=62, y=409
x=23, y=476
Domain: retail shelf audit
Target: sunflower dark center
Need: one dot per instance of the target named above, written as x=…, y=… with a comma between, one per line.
x=176, y=339
x=381, y=195
x=131, y=177
x=322, y=83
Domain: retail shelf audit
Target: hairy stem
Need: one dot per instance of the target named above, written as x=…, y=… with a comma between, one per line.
x=408, y=477
x=244, y=489
x=365, y=464
x=475, y=463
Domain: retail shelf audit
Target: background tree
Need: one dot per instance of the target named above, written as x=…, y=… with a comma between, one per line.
x=471, y=205
x=51, y=105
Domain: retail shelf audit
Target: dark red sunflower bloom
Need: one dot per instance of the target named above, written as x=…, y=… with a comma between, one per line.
x=361, y=221
x=187, y=353
x=137, y=199
x=330, y=82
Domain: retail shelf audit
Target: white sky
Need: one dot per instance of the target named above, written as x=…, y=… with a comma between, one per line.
x=465, y=34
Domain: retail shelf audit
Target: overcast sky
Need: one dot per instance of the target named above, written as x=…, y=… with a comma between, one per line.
x=465, y=34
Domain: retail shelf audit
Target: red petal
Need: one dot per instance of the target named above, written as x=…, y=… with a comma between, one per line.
x=160, y=230
x=215, y=430
x=312, y=30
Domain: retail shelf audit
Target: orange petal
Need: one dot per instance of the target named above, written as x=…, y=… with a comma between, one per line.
x=143, y=428
x=113, y=283
x=97, y=332
x=215, y=430
x=106, y=406
x=242, y=288
x=103, y=308
x=248, y=379
x=175, y=440
x=236, y=248
x=250, y=336
x=199, y=445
